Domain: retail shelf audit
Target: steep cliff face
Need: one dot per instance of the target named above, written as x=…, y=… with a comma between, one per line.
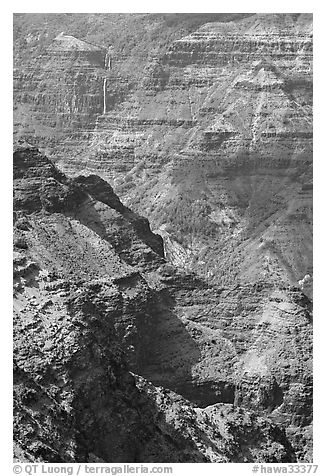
x=59, y=92
x=221, y=157
x=225, y=372
x=207, y=131
x=204, y=125
x=69, y=69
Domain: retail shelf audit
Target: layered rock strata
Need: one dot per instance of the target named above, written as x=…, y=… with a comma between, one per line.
x=60, y=92
x=90, y=316
x=210, y=136
x=212, y=141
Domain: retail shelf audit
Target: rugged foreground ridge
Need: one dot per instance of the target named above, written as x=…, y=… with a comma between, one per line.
x=119, y=357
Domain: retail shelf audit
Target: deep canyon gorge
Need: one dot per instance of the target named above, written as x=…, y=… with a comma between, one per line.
x=163, y=237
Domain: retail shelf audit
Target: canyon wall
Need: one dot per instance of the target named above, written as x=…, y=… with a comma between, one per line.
x=208, y=135
x=91, y=315
x=203, y=125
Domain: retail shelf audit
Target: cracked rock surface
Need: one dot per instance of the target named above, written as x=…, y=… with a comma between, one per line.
x=119, y=357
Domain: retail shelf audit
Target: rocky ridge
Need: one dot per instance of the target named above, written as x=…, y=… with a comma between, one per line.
x=121, y=357
x=209, y=135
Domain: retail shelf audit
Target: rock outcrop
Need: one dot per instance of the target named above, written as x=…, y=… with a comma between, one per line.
x=119, y=357
x=198, y=337
x=208, y=133
x=59, y=92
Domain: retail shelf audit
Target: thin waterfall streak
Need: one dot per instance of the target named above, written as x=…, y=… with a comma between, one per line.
x=104, y=96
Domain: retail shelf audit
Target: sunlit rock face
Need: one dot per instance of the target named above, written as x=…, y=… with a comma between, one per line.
x=93, y=317
x=207, y=131
x=216, y=147
x=59, y=93
x=210, y=135
x=94, y=300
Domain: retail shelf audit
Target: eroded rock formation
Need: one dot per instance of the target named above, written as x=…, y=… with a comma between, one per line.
x=208, y=134
x=197, y=337
x=91, y=315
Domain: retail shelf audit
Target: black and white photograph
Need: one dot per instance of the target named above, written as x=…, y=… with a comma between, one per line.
x=162, y=240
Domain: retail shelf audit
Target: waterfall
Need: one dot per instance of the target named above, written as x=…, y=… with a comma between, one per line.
x=107, y=61
x=104, y=96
